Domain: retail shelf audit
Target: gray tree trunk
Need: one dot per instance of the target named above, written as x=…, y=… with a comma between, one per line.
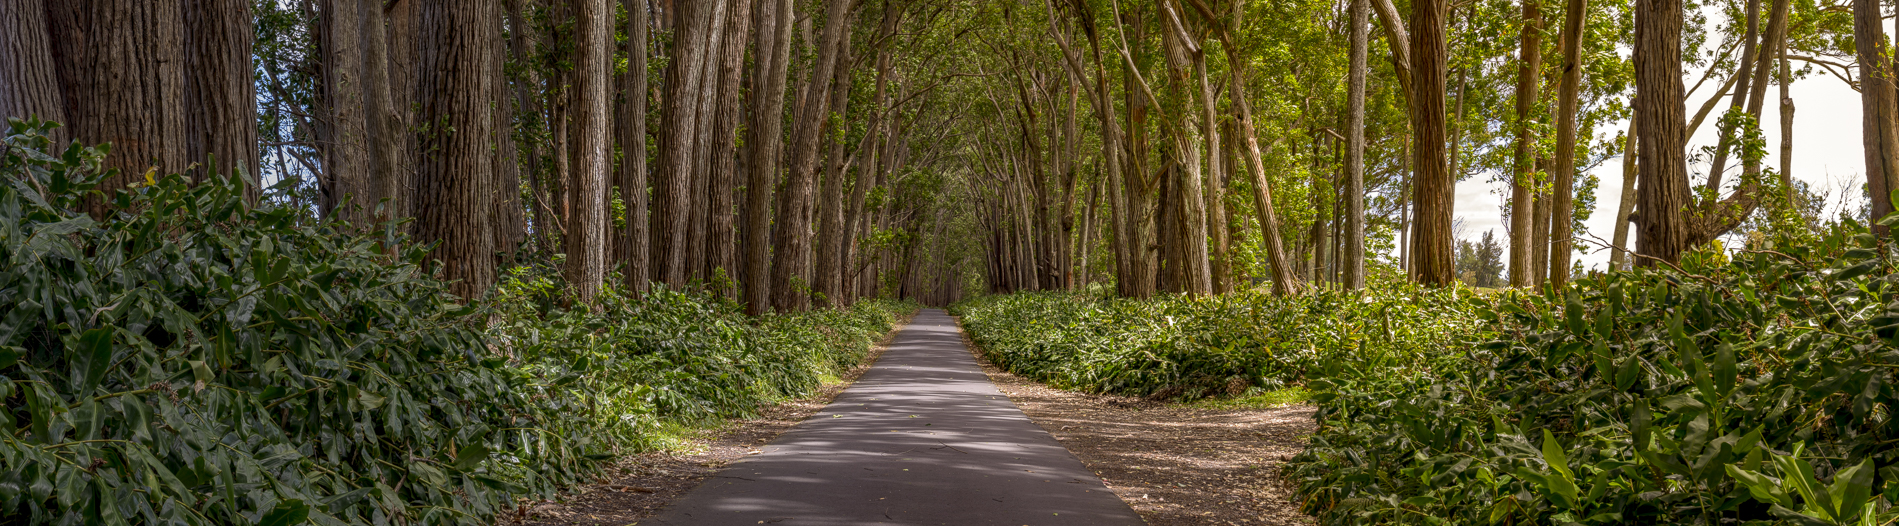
x=763, y=143
x=454, y=171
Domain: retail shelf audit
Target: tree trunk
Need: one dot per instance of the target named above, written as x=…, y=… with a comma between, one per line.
x=1353, y=277
x=828, y=275
x=586, y=241
x=792, y=266
x=1563, y=206
x=1525, y=269
x=220, y=100
x=1663, y=194
x=1436, y=190
x=722, y=241
x=1743, y=73
x=764, y=141
x=634, y=252
x=1881, y=140
x=673, y=190
x=120, y=65
x=1618, y=258
x=350, y=192
x=1786, y=124
x=704, y=146
x=453, y=172
x=29, y=80
x=1770, y=47
x=383, y=125
x=1197, y=277
x=508, y=226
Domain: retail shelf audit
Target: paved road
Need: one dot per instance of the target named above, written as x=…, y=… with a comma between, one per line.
x=921, y=438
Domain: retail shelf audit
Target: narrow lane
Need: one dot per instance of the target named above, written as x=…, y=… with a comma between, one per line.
x=922, y=438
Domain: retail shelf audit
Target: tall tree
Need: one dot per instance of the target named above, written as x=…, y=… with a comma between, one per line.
x=1660, y=120
x=722, y=236
x=1353, y=275
x=763, y=142
x=791, y=268
x=121, y=70
x=587, y=229
x=348, y=190
x=1523, y=195
x=454, y=171
x=1435, y=188
x=673, y=189
x=1197, y=275
x=384, y=117
x=220, y=100
x=633, y=251
x=1561, y=244
x=1879, y=128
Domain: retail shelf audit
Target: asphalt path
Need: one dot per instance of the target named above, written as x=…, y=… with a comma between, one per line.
x=921, y=438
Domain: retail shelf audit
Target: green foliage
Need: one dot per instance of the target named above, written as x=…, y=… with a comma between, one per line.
x=1190, y=348
x=675, y=356
x=190, y=359
x=1751, y=389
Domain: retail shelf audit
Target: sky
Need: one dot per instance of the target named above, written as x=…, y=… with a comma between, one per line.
x=1826, y=154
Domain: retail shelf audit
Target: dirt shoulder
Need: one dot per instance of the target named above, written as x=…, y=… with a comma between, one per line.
x=1174, y=464
x=642, y=484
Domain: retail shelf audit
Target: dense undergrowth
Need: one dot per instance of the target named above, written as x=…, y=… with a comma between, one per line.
x=1752, y=390
x=1186, y=348
x=1755, y=387
x=192, y=359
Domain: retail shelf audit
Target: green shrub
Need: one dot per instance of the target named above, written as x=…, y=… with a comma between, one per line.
x=1752, y=391
x=191, y=359
x=1182, y=347
x=675, y=356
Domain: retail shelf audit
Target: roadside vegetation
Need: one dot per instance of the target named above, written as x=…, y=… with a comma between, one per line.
x=189, y=358
x=1744, y=387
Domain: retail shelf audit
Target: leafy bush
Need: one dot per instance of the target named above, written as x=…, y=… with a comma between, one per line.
x=1752, y=391
x=193, y=360
x=1188, y=348
x=676, y=356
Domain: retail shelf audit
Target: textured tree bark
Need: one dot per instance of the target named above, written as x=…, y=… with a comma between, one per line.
x=350, y=190
x=586, y=241
x=1540, y=214
x=454, y=173
x=383, y=124
x=827, y=276
x=220, y=100
x=633, y=251
x=29, y=80
x=1563, y=207
x=1618, y=258
x=672, y=189
x=1399, y=40
x=763, y=143
x=120, y=65
x=791, y=270
x=1192, y=265
x=1880, y=139
x=698, y=247
x=1525, y=269
x=1353, y=277
x=722, y=270
x=1436, y=190
x=1663, y=194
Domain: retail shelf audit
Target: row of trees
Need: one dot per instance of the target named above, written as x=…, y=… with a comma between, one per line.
x=753, y=147
x=1195, y=144
x=779, y=152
